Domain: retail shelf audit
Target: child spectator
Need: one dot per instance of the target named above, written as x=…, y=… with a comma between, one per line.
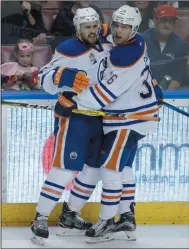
x=21, y=74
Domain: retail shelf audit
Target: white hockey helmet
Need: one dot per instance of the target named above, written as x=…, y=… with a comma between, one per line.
x=128, y=15
x=85, y=15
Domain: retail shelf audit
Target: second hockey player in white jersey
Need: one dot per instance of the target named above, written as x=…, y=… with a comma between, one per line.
x=125, y=86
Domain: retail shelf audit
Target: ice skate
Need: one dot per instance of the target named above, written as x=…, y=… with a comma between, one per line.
x=100, y=232
x=70, y=223
x=127, y=224
x=40, y=229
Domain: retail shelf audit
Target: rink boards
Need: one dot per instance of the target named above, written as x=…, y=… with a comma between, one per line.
x=161, y=168
x=22, y=214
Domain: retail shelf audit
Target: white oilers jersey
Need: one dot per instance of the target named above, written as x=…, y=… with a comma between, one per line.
x=74, y=54
x=124, y=86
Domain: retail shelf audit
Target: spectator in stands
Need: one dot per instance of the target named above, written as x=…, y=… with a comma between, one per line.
x=187, y=39
x=28, y=24
x=186, y=79
x=147, y=10
x=63, y=24
x=179, y=4
x=168, y=53
x=20, y=74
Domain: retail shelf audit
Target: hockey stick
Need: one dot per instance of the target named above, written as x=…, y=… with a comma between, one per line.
x=25, y=105
x=84, y=112
x=174, y=108
x=118, y=115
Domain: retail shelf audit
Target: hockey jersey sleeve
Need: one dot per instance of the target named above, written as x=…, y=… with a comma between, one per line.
x=46, y=73
x=118, y=78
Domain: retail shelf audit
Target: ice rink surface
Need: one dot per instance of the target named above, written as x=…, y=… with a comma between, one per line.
x=149, y=236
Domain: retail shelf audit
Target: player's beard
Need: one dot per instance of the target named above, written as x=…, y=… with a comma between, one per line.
x=90, y=40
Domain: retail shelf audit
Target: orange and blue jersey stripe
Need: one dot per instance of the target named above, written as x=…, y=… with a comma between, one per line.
x=111, y=196
x=131, y=110
x=82, y=190
x=102, y=95
x=128, y=192
x=121, y=121
x=114, y=158
x=51, y=190
x=60, y=143
x=120, y=149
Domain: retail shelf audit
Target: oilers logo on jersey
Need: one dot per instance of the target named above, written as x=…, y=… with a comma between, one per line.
x=73, y=155
x=101, y=69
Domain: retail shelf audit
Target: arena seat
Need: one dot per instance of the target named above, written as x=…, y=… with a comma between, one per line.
x=182, y=12
x=53, y=5
x=182, y=25
x=107, y=13
x=49, y=17
x=42, y=54
x=117, y=4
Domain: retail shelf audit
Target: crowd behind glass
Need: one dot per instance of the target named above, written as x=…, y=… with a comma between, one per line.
x=31, y=30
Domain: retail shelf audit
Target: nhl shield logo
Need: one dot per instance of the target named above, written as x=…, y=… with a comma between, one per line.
x=92, y=58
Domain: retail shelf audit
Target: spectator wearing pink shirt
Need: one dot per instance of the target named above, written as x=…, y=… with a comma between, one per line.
x=21, y=74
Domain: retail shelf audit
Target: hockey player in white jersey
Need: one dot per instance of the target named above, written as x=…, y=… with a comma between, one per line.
x=125, y=86
x=78, y=137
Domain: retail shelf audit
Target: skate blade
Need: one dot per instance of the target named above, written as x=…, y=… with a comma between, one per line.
x=107, y=237
x=37, y=240
x=130, y=235
x=60, y=231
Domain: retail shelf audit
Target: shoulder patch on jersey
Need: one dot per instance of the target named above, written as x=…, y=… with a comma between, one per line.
x=73, y=48
x=128, y=54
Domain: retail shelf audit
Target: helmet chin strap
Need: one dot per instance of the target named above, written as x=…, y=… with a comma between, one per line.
x=131, y=36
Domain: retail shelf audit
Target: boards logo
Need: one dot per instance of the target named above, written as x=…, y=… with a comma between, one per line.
x=157, y=155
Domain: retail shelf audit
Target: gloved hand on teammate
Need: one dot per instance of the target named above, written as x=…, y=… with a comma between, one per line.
x=65, y=105
x=71, y=77
x=158, y=91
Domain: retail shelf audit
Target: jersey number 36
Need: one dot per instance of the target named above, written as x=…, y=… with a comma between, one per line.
x=146, y=74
